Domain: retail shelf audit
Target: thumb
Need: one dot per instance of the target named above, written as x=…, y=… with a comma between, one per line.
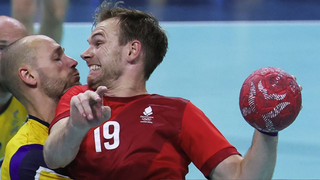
x=101, y=90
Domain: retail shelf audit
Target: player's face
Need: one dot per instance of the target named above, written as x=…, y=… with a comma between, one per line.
x=57, y=71
x=104, y=55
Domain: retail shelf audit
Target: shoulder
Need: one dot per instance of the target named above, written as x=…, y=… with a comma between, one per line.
x=15, y=103
x=25, y=150
x=32, y=132
x=74, y=91
x=168, y=99
x=176, y=103
x=15, y=106
x=77, y=89
x=65, y=99
x=170, y=107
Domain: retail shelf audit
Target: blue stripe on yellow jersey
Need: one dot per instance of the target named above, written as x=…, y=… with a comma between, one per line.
x=24, y=154
x=11, y=119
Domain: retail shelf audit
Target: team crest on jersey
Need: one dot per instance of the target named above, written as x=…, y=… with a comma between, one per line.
x=146, y=117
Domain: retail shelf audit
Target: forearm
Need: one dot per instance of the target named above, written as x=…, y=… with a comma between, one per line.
x=260, y=160
x=63, y=144
x=86, y=111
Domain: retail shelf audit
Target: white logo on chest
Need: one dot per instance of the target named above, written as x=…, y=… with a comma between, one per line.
x=146, y=117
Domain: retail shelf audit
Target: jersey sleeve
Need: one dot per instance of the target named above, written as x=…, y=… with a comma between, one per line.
x=202, y=141
x=27, y=164
x=63, y=107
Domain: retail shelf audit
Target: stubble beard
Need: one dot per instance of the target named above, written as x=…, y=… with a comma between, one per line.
x=54, y=87
x=108, y=75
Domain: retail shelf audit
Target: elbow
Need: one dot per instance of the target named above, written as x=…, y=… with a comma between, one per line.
x=53, y=162
x=50, y=158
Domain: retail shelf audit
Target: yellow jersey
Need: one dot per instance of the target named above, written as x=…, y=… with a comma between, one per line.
x=24, y=154
x=11, y=119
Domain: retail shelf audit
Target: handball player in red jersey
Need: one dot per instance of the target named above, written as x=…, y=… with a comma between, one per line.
x=113, y=128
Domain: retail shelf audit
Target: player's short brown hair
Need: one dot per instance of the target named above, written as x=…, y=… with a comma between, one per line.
x=137, y=25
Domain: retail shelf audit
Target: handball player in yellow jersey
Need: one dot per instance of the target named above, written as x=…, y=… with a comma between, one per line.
x=37, y=72
x=12, y=112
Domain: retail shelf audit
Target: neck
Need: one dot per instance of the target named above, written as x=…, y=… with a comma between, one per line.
x=41, y=107
x=131, y=83
x=126, y=88
x=125, y=92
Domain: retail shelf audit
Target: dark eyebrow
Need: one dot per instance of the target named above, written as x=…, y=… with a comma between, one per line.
x=3, y=41
x=59, y=50
x=94, y=35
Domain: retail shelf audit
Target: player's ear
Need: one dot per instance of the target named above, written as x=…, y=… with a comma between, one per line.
x=134, y=48
x=26, y=76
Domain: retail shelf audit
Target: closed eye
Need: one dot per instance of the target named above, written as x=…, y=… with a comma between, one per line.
x=58, y=53
x=2, y=47
x=98, y=43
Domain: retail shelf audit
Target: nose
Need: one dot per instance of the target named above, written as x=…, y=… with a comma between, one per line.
x=87, y=54
x=72, y=62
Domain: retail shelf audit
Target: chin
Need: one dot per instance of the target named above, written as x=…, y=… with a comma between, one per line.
x=92, y=85
x=78, y=83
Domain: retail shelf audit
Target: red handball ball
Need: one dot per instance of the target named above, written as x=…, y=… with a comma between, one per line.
x=270, y=99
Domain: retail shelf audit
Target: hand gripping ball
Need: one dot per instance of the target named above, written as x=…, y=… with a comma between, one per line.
x=270, y=99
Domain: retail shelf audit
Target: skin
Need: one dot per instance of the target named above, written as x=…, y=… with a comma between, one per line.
x=11, y=30
x=120, y=68
x=54, y=75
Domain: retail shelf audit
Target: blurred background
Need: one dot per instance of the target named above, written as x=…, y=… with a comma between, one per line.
x=213, y=47
x=201, y=10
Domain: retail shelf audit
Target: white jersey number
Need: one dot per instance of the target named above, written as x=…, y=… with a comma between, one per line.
x=107, y=135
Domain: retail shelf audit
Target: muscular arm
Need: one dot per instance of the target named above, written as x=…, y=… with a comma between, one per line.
x=63, y=143
x=258, y=163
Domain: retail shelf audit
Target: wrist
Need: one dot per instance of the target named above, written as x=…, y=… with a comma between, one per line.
x=269, y=133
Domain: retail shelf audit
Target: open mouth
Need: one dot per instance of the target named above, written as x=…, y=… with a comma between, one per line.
x=94, y=67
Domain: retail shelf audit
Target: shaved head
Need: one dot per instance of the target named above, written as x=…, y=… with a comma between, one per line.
x=12, y=26
x=18, y=53
x=11, y=21
x=38, y=63
x=10, y=31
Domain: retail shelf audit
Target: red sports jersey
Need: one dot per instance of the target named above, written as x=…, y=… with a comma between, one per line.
x=147, y=137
